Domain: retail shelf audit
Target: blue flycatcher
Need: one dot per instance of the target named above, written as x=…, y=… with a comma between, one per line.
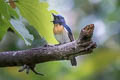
x=63, y=33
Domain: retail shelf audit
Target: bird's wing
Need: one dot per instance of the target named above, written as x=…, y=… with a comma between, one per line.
x=70, y=35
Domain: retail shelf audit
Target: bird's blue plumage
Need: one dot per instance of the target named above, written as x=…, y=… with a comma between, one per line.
x=58, y=19
x=63, y=35
x=68, y=28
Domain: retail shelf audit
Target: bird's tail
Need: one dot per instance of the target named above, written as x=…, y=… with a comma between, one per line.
x=71, y=37
x=73, y=61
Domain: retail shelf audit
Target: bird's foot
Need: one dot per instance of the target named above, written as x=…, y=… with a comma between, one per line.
x=47, y=45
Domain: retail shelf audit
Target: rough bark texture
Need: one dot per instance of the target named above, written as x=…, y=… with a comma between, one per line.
x=82, y=46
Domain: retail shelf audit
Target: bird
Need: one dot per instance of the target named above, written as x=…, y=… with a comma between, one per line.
x=63, y=33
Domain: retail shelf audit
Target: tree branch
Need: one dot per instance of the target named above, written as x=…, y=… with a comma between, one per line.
x=82, y=46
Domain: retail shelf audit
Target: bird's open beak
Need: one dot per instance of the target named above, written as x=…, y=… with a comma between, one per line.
x=53, y=15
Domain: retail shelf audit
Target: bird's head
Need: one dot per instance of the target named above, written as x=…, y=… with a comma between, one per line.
x=58, y=19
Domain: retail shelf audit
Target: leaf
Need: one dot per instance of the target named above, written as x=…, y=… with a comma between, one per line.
x=13, y=12
x=38, y=41
x=5, y=14
x=37, y=15
x=4, y=10
x=22, y=31
x=4, y=17
x=4, y=24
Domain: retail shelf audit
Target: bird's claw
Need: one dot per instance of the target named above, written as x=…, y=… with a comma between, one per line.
x=46, y=45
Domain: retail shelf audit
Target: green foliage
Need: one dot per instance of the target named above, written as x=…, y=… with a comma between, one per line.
x=6, y=12
x=4, y=24
x=38, y=41
x=4, y=18
x=22, y=31
x=39, y=17
x=36, y=14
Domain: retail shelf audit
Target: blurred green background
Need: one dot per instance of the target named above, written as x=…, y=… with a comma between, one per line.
x=102, y=64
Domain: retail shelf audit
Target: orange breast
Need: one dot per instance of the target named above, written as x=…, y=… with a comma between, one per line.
x=58, y=29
